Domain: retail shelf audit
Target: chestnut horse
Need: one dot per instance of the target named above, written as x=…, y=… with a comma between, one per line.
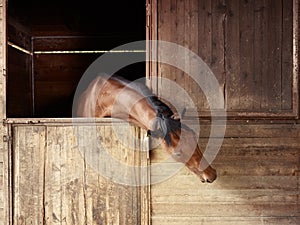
x=119, y=98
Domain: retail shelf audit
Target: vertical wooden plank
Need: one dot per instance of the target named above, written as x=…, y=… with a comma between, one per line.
x=205, y=32
x=53, y=189
x=192, y=33
x=182, y=39
x=64, y=174
x=275, y=72
x=146, y=189
x=3, y=56
x=271, y=81
x=73, y=180
x=263, y=43
x=260, y=61
x=248, y=89
x=6, y=216
x=152, y=83
x=204, y=41
x=233, y=78
x=165, y=34
x=218, y=41
x=287, y=55
x=29, y=174
x=95, y=187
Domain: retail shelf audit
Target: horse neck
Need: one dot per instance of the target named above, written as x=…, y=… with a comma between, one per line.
x=129, y=105
x=142, y=114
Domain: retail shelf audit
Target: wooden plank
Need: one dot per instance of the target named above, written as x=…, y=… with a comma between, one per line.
x=259, y=48
x=29, y=145
x=205, y=45
x=246, y=29
x=223, y=220
x=244, y=163
x=235, y=210
x=271, y=80
x=80, y=43
x=287, y=55
x=232, y=57
x=193, y=89
x=230, y=196
x=241, y=130
x=64, y=181
x=181, y=27
x=205, y=30
x=218, y=41
x=6, y=209
x=165, y=21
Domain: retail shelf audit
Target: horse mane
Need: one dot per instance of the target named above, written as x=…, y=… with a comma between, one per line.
x=164, y=124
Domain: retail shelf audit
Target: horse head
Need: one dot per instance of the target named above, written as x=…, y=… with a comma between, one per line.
x=181, y=142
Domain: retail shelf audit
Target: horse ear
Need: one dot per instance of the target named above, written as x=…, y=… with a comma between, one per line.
x=175, y=116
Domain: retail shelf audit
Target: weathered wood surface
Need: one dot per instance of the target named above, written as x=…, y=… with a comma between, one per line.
x=248, y=45
x=3, y=151
x=58, y=175
x=258, y=180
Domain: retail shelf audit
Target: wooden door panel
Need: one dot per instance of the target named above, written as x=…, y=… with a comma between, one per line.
x=56, y=182
x=250, y=46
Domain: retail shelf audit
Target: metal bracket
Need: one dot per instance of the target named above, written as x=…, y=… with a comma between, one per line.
x=7, y=138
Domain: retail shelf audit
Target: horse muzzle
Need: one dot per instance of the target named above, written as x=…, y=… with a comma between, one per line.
x=209, y=175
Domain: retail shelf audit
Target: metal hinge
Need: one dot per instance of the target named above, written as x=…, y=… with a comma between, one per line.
x=7, y=138
x=4, y=122
x=4, y=72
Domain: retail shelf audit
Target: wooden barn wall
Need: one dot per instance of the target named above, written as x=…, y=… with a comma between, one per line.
x=248, y=45
x=58, y=174
x=258, y=181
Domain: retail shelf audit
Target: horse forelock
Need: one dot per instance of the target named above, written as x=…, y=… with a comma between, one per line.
x=164, y=127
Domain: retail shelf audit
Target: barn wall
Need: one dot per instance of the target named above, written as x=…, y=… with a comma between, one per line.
x=258, y=181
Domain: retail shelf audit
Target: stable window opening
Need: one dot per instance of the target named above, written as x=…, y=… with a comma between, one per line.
x=51, y=44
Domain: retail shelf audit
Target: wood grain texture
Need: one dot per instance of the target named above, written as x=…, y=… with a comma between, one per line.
x=62, y=177
x=248, y=45
x=258, y=180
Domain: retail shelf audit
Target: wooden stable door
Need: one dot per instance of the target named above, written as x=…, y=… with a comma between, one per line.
x=250, y=46
x=60, y=175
